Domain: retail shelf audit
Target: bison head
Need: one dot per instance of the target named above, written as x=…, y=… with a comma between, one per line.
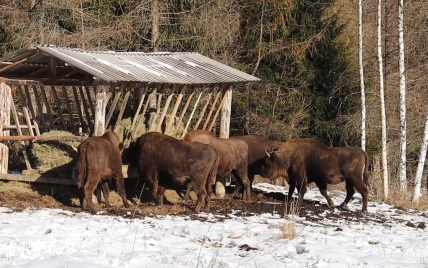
x=270, y=167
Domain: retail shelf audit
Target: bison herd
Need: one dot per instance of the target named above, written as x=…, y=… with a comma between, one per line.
x=195, y=162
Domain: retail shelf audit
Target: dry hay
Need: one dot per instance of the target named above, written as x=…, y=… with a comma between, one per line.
x=125, y=126
x=55, y=156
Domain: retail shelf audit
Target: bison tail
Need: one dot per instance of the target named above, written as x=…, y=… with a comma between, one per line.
x=81, y=167
x=213, y=171
x=366, y=170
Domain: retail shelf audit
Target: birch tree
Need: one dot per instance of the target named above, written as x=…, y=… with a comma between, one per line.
x=382, y=100
x=360, y=63
x=402, y=75
x=421, y=163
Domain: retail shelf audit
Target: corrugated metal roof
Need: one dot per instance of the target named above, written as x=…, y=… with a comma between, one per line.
x=111, y=66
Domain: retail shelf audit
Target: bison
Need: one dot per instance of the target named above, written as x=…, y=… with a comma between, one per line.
x=308, y=160
x=164, y=161
x=233, y=154
x=256, y=153
x=99, y=160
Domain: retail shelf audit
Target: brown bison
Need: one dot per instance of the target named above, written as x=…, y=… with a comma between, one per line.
x=233, y=154
x=308, y=160
x=256, y=154
x=164, y=161
x=99, y=160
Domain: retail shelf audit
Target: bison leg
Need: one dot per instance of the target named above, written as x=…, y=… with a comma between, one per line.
x=323, y=190
x=291, y=189
x=89, y=188
x=208, y=196
x=241, y=175
x=199, y=188
x=188, y=189
x=363, y=190
x=120, y=188
x=106, y=193
x=161, y=192
x=302, y=188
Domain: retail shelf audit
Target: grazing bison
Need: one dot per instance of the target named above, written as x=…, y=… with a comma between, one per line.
x=256, y=154
x=233, y=154
x=164, y=161
x=99, y=160
x=308, y=160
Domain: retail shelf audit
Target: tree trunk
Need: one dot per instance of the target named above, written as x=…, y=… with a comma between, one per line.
x=421, y=163
x=155, y=24
x=402, y=75
x=360, y=63
x=382, y=100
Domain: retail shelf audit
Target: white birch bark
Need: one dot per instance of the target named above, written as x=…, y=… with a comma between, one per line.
x=421, y=163
x=402, y=75
x=382, y=100
x=360, y=63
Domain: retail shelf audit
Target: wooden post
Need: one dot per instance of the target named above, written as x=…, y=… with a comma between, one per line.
x=218, y=111
x=40, y=108
x=30, y=102
x=58, y=106
x=79, y=111
x=122, y=110
x=182, y=114
x=85, y=106
x=91, y=103
x=141, y=116
x=70, y=112
x=5, y=101
x=18, y=128
x=203, y=111
x=165, y=109
x=191, y=115
x=138, y=94
x=101, y=98
x=48, y=108
x=152, y=124
x=225, y=115
x=113, y=104
x=211, y=109
x=174, y=110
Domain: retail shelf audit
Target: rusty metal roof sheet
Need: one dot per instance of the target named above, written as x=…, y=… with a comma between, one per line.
x=111, y=66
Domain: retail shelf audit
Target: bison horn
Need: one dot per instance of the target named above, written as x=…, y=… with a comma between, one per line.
x=268, y=154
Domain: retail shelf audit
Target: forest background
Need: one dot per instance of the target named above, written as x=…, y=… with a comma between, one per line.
x=305, y=52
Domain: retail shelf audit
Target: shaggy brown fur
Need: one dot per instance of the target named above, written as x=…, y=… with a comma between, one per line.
x=99, y=160
x=256, y=153
x=233, y=154
x=308, y=160
x=164, y=161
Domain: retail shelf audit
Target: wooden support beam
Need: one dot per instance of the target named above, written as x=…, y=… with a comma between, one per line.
x=191, y=115
x=70, y=112
x=218, y=111
x=113, y=104
x=153, y=123
x=122, y=110
x=100, y=109
x=52, y=69
x=225, y=115
x=48, y=108
x=13, y=64
x=165, y=109
x=141, y=116
x=5, y=102
x=36, y=72
x=28, y=120
x=30, y=102
x=85, y=106
x=36, y=127
x=21, y=95
x=183, y=112
x=174, y=110
x=138, y=93
x=211, y=110
x=137, y=112
x=41, y=138
x=38, y=179
x=18, y=128
x=203, y=111
x=79, y=111
x=91, y=103
x=39, y=106
x=59, y=108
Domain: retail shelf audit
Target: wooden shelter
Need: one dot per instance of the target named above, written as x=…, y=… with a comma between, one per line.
x=47, y=87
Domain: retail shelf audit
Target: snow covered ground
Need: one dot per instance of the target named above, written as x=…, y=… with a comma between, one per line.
x=57, y=238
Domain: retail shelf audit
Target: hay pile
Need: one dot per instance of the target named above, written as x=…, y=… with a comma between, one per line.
x=55, y=157
x=125, y=126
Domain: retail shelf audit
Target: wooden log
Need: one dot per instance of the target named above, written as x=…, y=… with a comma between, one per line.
x=41, y=138
x=5, y=101
x=70, y=112
x=79, y=111
x=225, y=115
x=18, y=128
x=122, y=110
x=58, y=106
x=174, y=110
x=91, y=103
x=38, y=179
x=40, y=109
x=183, y=112
x=211, y=110
x=218, y=111
x=30, y=102
x=100, y=110
x=165, y=109
x=48, y=108
x=191, y=115
x=203, y=111
x=113, y=105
